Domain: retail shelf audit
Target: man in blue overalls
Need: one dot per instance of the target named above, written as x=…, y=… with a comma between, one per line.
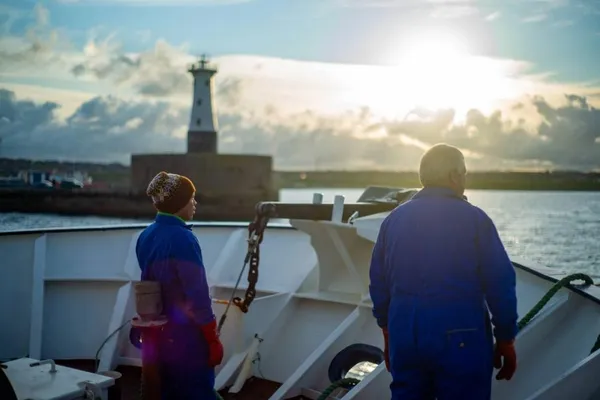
x=188, y=347
x=438, y=265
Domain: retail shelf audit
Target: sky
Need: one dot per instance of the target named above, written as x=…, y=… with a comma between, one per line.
x=325, y=84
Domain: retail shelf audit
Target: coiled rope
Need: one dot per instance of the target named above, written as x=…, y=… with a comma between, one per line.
x=346, y=383
x=567, y=280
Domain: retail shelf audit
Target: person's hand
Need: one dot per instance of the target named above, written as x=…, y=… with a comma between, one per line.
x=215, y=353
x=505, y=359
x=386, y=351
x=215, y=347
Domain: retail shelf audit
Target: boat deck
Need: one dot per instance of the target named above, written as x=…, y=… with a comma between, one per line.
x=129, y=383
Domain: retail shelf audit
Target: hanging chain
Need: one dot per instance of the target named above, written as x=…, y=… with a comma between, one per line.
x=256, y=231
x=255, y=237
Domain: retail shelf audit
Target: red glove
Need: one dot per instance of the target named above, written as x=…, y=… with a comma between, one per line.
x=386, y=352
x=505, y=359
x=215, y=347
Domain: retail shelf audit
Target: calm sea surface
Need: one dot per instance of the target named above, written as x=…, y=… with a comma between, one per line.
x=557, y=229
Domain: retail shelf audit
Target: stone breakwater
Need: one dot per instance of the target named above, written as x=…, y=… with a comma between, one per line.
x=222, y=207
x=225, y=208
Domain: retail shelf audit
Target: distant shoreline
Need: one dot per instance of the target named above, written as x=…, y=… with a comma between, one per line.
x=526, y=181
x=117, y=176
x=471, y=187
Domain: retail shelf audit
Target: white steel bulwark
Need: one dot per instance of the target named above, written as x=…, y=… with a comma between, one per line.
x=63, y=292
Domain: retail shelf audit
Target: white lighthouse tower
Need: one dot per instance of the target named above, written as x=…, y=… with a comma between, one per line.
x=202, y=132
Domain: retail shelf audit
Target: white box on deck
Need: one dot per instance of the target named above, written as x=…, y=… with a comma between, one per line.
x=40, y=384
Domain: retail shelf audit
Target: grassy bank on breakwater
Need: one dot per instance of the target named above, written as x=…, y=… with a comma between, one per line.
x=475, y=180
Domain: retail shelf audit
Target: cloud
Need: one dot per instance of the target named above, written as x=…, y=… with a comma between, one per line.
x=404, y=3
x=154, y=73
x=537, y=10
x=157, y=2
x=563, y=23
x=567, y=136
x=453, y=11
x=38, y=45
x=110, y=129
x=101, y=129
x=553, y=10
x=535, y=18
x=493, y=16
x=306, y=114
x=443, y=9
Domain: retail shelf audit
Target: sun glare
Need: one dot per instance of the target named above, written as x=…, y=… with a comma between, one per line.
x=435, y=69
x=426, y=49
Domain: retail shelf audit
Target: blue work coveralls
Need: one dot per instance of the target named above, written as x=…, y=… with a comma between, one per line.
x=436, y=263
x=168, y=252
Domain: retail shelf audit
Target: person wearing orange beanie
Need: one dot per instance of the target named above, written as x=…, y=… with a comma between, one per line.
x=168, y=252
x=173, y=194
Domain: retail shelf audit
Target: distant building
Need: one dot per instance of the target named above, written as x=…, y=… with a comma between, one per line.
x=216, y=175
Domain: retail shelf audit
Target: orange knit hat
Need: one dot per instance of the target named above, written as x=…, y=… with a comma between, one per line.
x=170, y=192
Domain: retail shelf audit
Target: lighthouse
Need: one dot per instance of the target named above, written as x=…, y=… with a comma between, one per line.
x=202, y=131
x=230, y=182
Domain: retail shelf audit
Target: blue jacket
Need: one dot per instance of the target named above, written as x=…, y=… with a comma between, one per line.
x=437, y=262
x=168, y=252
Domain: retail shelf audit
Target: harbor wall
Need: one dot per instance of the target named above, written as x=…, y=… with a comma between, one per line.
x=227, y=189
x=127, y=204
x=214, y=174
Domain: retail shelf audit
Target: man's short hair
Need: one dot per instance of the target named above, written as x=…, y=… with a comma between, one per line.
x=438, y=163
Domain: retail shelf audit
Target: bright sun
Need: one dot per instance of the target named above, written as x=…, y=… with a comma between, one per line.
x=434, y=69
x=431, y=48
